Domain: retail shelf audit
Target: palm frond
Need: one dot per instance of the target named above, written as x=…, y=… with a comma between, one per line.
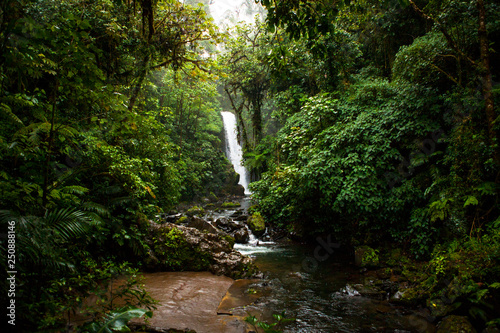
x=96, y=208
x=68, y=222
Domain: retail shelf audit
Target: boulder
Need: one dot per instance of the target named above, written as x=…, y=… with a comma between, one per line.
x=241, y=236
x=177, y=247
x=172, y=218
x=256, y=224
x=227, y=225
x=454, y=323
x=439, y=308
x=230, y=204
x=195, y=210
x=201, y=225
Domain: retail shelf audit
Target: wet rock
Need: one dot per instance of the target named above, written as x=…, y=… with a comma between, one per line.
x=491, y=330
x=370, y=291
x=240, y=218
x=420, y=322
x=459, y=324
x=397, y=296
x=236, y=214
x=227, y=225
x=241, y=293
x=350, y=291
x=172, y=218
x=201, y=225
x=241, y=236
x=188, y=302
x=236, y=190
x=176, y=247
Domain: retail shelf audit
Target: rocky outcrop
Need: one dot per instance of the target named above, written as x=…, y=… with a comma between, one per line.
x=235, y=230
x=176, y=247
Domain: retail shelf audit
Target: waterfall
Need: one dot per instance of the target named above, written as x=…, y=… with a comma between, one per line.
x=233, y=148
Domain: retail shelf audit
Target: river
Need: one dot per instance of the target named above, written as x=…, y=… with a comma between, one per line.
x=319, y=296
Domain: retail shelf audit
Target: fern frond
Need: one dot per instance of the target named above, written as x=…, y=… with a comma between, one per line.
x=120, y=201
x=8, y=111
x=74, y=189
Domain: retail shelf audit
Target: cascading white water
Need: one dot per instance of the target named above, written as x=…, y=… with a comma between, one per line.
x=233, y=148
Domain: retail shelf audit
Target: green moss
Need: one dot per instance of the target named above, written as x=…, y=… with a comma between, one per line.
x=257, y=224
x=230, y=239
x=230, y=204
x=195, y=210
x=175, y=253
x=182, y=219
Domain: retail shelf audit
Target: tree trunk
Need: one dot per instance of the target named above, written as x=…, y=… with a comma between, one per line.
x=242, y=132
x=486, y=78
x=257, y=117
x=140, y=80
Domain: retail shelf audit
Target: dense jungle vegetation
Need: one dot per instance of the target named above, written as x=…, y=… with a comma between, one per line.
x=374, y=121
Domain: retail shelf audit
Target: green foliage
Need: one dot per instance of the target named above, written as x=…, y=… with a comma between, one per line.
x=91, y=145
x=370, y=256
x=464, y=275
x=427, y=60
x=335, y=155
x=116, y=320
x=276, y=327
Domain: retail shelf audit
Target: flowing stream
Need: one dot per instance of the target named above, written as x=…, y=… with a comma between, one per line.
x=320, y=297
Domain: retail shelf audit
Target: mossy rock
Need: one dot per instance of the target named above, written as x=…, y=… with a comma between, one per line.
x=455, y=324
x=173, y=252
x=182, y=220
x=230, y=204
x=257, y=224
x=195, y=210
x=230, y=239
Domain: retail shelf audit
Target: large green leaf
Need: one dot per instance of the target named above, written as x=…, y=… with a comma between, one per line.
x=117, y=321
